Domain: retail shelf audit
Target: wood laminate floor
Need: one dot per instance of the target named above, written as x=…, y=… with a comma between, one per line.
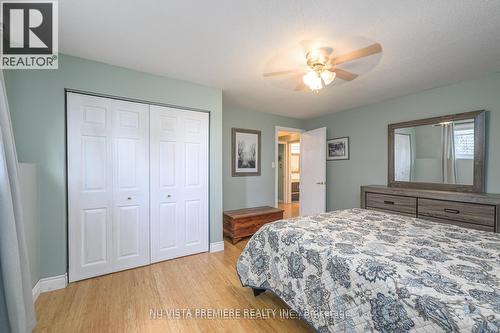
x=122, y=302
x=291, y=209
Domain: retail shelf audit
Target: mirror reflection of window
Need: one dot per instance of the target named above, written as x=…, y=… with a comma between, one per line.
x=463, y=136
x=464, y=140
x=435, y=153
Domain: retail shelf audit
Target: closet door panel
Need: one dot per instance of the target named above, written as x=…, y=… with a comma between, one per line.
x=179, y=182
x=167, y=226
x=94, y=159
x=108, y=185
x=130, y=184
x=165, y=185
x=128, y=229
x=167, y=159
x=196, y=180
x=90, y=186
x=94, y=237
x=193, y=223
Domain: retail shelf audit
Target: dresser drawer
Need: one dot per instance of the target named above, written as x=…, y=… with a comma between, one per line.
x=458, y=223
x=391, y=211
x=394, y=203
x=458, y=211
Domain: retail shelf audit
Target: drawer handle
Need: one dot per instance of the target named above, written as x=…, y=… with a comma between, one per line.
x=452, y=211
x=389, y=202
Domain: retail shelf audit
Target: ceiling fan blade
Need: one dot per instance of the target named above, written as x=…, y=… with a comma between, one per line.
x=343, y=74
x=288, y=72
x=364, y=52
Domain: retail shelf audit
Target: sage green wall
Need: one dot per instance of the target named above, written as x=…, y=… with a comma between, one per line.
x=28, y=179
x=36, y=100
x=243, y=192
x=367, y=128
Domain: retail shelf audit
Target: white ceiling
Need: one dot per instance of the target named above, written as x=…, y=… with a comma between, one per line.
x=229, y=44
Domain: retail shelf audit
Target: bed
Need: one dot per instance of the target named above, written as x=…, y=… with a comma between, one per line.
x=359, y=270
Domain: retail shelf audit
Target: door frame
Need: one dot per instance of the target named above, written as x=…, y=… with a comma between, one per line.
x=285, y=171
x=134, y=100
x=276, y=162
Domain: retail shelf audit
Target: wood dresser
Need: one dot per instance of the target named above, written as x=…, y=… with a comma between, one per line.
x=241, y=223
x=472, y=210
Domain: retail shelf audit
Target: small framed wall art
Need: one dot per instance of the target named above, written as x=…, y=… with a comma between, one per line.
x=245, y=152
x=337, y=149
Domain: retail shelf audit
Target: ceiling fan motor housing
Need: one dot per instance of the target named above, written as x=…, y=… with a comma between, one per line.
x=317, y=59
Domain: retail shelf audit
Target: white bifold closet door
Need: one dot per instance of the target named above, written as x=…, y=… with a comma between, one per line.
x=108, y=185
x=179, y=182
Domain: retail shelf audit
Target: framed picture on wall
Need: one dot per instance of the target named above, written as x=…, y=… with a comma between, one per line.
x=245, y=152
x=337, y=149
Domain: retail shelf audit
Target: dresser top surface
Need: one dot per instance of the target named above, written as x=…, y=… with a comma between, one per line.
x=482, y=198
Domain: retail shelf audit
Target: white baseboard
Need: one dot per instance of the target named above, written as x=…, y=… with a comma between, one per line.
x=49, y=284
x=217, y=247
x=36, y=291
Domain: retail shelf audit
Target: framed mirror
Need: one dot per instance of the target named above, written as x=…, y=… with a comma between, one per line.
x=441, y=153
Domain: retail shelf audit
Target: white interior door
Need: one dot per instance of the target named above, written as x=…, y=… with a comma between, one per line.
x=179, y=182
x=108, y=185
x=313, y=172
x=90, y=186
x=130, y=122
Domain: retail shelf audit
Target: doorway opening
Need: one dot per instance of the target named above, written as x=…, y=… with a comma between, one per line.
x=288, y=171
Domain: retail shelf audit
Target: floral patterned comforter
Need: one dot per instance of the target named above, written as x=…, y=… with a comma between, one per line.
x=358, y=271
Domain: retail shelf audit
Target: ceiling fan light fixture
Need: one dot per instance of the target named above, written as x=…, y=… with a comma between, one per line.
x=328, y=76
x=323, y=67
x=312, y=80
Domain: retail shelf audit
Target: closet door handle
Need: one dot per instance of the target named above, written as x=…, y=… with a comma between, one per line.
x=452, y=211
x=129, y=198
x=168, y=195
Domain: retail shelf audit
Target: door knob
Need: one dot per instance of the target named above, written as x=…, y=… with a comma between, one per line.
x=321, y=183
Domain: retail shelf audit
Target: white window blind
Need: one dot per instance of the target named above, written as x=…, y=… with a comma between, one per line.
x=464, y=141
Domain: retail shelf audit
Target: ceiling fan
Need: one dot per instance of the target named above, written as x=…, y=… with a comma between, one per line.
x=322, y=67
